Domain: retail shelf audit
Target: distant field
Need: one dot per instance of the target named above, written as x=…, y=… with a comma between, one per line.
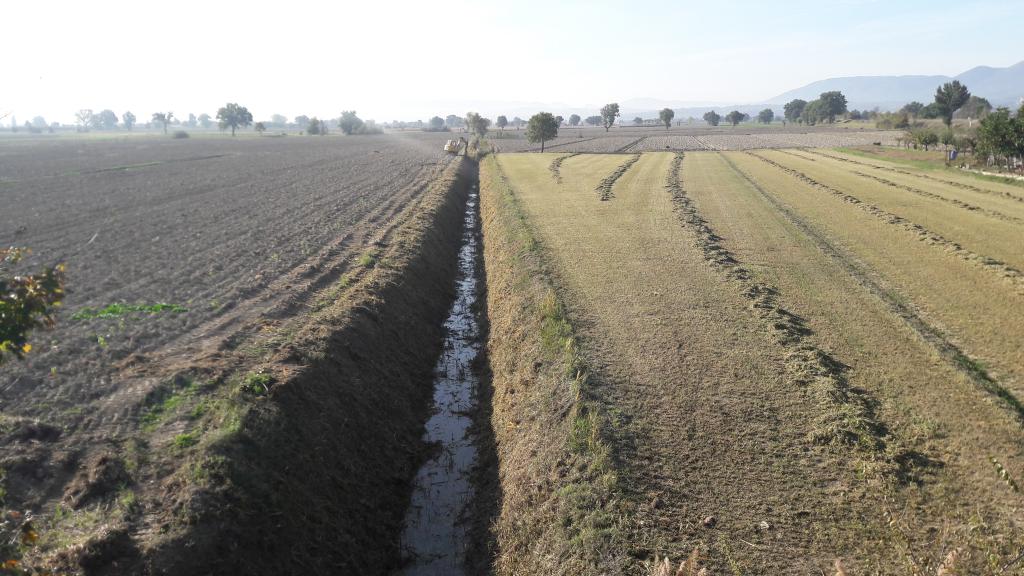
x=822, y=354
x=695, y=137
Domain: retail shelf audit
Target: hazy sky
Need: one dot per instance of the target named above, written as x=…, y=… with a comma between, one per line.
x=410, y=60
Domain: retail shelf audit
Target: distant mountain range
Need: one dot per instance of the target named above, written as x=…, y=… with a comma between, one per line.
x=1001, y=86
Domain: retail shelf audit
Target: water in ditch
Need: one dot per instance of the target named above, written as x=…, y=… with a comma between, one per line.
x=434, y=539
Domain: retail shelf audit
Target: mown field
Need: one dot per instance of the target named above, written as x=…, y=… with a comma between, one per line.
x=786, y=362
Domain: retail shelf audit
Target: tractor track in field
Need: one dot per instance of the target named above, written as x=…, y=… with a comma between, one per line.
x=556, y=166
x=953, y=183
x=705, y=144
x=924, y=193
x=627, y=147
x=1012, y=275
x=950, y=352
x=846, y=418
x=604, y=189
x=577, y=141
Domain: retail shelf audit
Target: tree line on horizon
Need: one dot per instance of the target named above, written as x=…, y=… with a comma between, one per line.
x=231, y=116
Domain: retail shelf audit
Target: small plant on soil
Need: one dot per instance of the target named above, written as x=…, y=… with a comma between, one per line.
x=27, y=302
x=118, y=309
x=183, y=441
x=257, y=383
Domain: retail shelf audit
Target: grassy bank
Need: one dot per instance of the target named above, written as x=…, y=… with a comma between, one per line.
x=562, y=507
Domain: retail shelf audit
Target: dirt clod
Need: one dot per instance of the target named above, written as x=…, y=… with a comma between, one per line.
x=99, y=476
x=25, y=429
x=101, y=554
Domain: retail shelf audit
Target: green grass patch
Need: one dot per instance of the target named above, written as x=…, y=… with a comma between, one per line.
x=166, y=400
x=118, y=309
x=187, y=440
x=369, y=258
x=256, y=383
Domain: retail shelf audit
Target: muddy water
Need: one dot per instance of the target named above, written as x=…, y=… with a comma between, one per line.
x=434, y=539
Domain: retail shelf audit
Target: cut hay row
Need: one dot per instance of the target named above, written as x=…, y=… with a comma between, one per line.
x=1012, y=275
x=556, y=166
x=924, y=193
x=604, y=189
x=900, y=371
x=999, y=239
x=845, y=418
x=961, y=185
x=942, y=345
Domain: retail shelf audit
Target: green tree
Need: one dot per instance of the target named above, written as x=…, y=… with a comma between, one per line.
x=453, y=121
x=233, y=116
x=128, y=119
x=560, y=120
x=832, y=104
x=107, y=119
x=794, y=110
x=501, y=122
x=638, y=121
x=260, y=128
x=712, y=118
x=912, y=108
x=609, y=112
x=349, y=123
x=541, y=128
x=734, y=117
x=930, y=112
x=574, y=120
x=313, y=126
x=593, y=120
x=666, y=115
x=812, y=113
x=949, y=98
x=27, y=302
x=204, y=120
x=477, y=124
x=766, y=116
x=436, y=124
x=1001, y=136
x=163, y=118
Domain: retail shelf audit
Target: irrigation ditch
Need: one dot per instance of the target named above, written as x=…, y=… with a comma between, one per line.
x=371, y=452
x=439, y=535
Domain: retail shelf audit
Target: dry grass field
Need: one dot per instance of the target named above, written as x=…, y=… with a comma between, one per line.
x=802, y=359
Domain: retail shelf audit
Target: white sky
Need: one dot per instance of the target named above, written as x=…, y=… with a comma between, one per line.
x=413, y=59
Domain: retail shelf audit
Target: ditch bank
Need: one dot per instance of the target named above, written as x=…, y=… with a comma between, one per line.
x=562, y=508
x=314, y=476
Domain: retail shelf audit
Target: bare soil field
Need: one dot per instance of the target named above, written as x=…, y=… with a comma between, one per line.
x=635, y=139
x=789, y=366
x=230, y=303
x=214, y=227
